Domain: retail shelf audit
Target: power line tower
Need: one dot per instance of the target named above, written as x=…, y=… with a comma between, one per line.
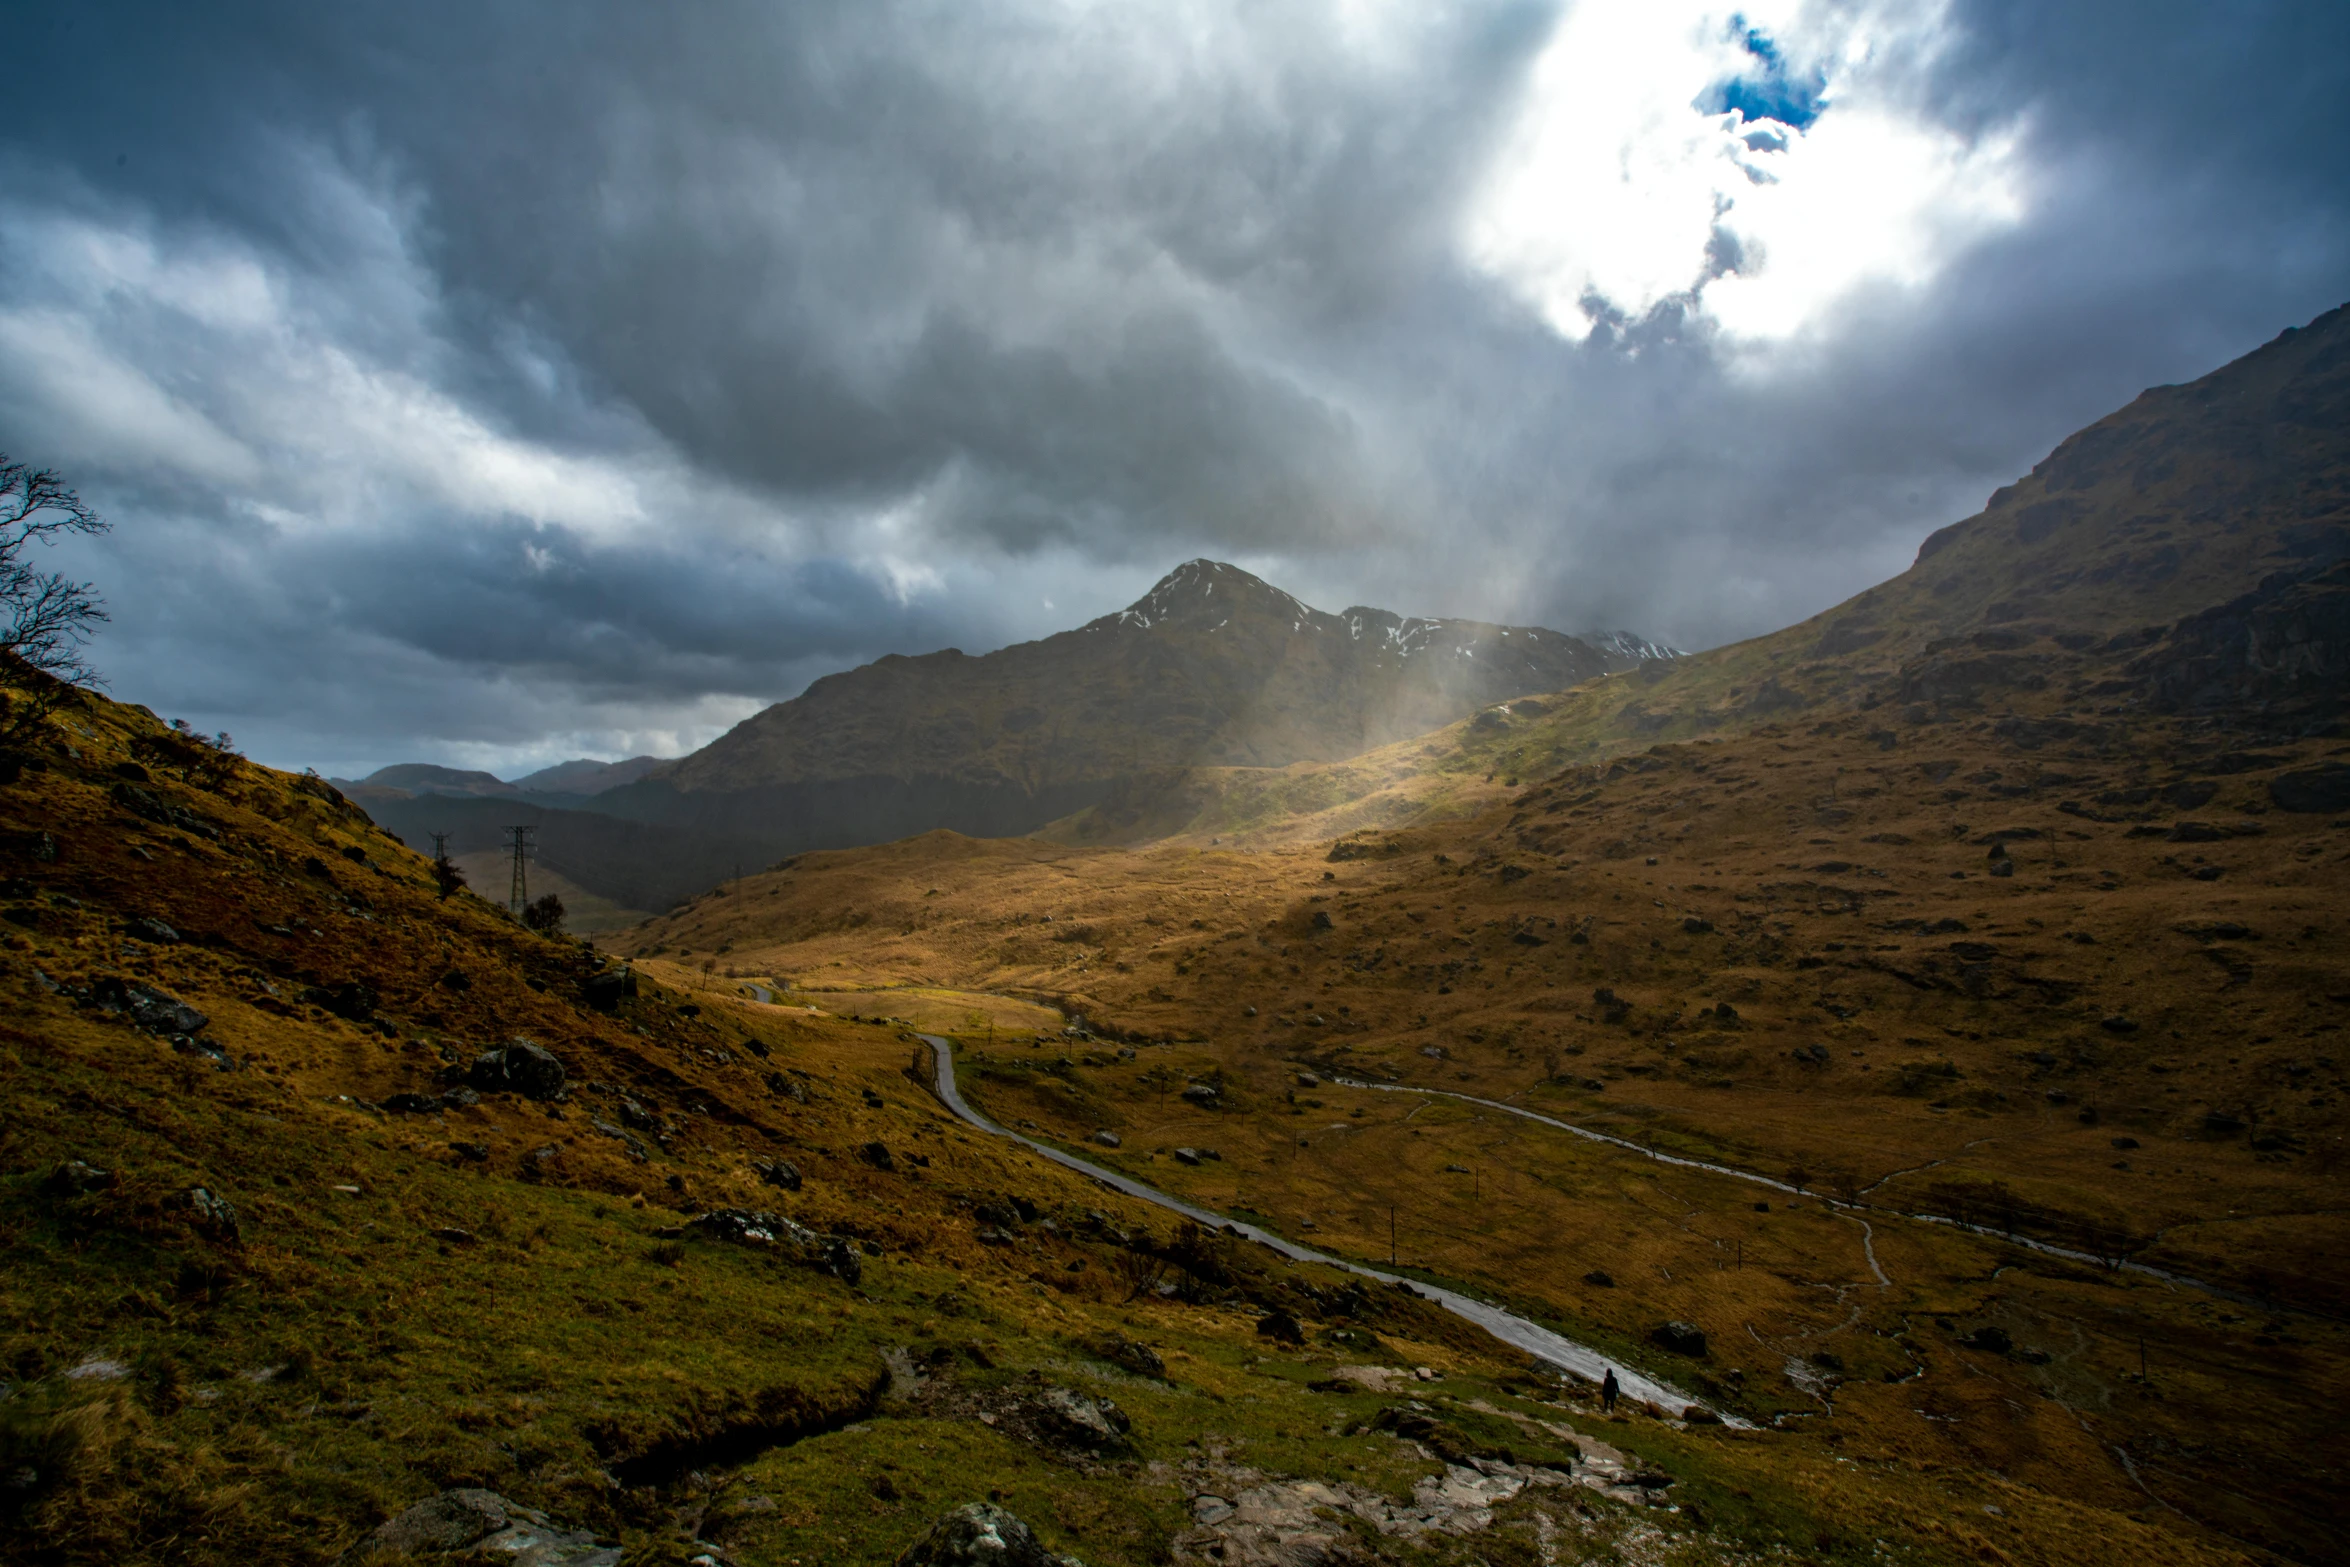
x=440, y=845
x=519, y=898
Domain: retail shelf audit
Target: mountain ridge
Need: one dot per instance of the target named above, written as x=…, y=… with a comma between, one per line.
x=1213, y=664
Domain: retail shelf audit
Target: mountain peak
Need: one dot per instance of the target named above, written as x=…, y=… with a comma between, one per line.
x=1206, y=591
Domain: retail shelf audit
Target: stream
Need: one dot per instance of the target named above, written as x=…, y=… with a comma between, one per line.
x=1511, y=1329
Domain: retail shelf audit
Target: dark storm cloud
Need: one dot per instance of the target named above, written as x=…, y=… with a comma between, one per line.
x=498, y=381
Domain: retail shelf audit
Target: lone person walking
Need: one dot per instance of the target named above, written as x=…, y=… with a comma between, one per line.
x=1608, y=1389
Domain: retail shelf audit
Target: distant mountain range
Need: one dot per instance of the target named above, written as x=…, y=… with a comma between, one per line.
x=1213, y=667
x=578, y=779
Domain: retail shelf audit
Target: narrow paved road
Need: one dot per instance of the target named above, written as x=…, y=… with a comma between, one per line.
x=1516, y=1331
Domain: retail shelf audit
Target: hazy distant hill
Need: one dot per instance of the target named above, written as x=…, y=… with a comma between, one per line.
x=586, y=777
x=425, y=778
x=1212, y=666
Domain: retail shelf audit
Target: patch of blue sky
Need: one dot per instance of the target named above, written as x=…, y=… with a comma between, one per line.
x=1769, y=91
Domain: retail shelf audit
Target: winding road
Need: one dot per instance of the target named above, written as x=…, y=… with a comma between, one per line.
x=1516, y=1331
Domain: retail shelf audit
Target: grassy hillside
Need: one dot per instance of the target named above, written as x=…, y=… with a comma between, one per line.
x=2067, y=977
x=275, y=1275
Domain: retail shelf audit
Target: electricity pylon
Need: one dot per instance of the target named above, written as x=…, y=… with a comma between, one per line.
x=518, y=898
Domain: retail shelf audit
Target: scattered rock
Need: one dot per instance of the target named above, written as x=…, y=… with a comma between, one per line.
x=152, y=930
x=1695, y=926
x=1282, y=1326
x=778, y=1172
x=1308, y=1080
x=833, y=1254
x=1681, y=1338
x=522, y=1067
x=1598, y=1279
x=157, y=1011
x=1321, y=919
x=980, y=1534
x=1069, y=1418
x=350, y=1000
x=1991, y=1340
x=155, y=808
x=2117, y=1024
x=74, y=1178
x=483, y=1525
x=215, y=1215
x=605, y=991
x=1131, y=1355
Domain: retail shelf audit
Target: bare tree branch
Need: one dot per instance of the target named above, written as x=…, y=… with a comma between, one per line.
x=48, y=617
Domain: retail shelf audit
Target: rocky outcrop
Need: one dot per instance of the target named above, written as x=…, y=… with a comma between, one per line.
x=2284, y=646
x=522, y=1067
x=981, y=1534
x=475, y=1525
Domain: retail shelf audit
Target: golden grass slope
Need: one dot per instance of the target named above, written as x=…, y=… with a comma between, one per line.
x=1793, y=953
x=372, y=1303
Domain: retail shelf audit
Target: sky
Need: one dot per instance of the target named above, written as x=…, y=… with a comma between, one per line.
x=492, y=384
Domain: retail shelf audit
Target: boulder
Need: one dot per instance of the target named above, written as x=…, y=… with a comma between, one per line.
x=1204, y=1095
x=522, y=1067
x=778, y=1172
x=877, y=1155
x=1108, y=1139
x=153, y=930
x=1682, y=1338
x=157, y=1011
x=1131, y=1355
x=1187, y=1156
x=75, y=1178
x=1280, y=1325
x=607, y=990
x=348, y=1000
x=1073, y=1419
x=980, y=1534
x=481, y=1525
x=2320, y=789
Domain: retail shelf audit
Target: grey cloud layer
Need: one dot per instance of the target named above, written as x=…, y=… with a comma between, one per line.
x=875, y=328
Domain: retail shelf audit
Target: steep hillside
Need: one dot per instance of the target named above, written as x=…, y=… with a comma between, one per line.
x=1212, y=666
x=2188, y=498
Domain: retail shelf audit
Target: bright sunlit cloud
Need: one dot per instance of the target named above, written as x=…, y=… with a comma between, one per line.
x=1758, y=162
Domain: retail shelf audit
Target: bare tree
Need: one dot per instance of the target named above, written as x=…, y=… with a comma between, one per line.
x=49, y=616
